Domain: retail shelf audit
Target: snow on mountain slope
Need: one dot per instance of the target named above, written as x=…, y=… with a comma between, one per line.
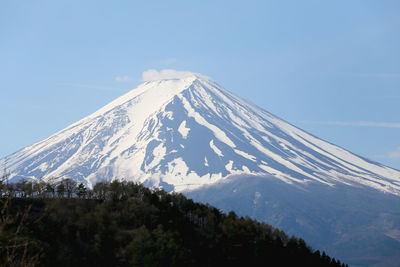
x=188, y=132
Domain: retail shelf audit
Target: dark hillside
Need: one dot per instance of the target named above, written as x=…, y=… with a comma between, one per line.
x=126, y=224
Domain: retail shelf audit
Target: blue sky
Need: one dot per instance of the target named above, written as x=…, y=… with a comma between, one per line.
x=331, y=68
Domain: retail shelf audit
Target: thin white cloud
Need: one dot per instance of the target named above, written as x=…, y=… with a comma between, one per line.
x=390, y=155
x=378, y=75
x=154, y=75
x=392, y=96
x=123, y=79
x=356, y=123
x=378, y=156
x=395, y=154
x=89, y=86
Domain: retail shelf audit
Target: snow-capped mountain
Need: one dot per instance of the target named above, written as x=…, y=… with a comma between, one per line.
x=185, y=133
x=189, y=134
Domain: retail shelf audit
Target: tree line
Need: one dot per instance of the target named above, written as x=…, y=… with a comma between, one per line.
x=61, y=188
x=127, y=224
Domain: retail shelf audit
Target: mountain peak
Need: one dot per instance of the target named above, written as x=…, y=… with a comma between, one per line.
x=180, y=130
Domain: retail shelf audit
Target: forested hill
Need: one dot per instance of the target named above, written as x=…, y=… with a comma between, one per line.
x=126, y=224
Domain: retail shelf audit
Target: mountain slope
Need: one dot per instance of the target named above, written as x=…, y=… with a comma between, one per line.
x=185, y=133
x=358, y=225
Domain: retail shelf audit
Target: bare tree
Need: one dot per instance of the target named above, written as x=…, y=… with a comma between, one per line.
x=60, y=190
x=70, y=186
x=4, y=181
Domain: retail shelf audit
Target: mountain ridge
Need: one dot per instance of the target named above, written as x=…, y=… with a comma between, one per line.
x=188, y=132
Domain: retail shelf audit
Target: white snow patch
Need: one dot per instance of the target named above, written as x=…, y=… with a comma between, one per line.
x=158, y=153
x=183, y=130
x=245, y=155
x=215, y=148
x=246, y=169
x=43, y=166
x=229, y=166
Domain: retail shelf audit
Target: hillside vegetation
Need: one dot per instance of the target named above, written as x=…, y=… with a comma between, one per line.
x=127, y=224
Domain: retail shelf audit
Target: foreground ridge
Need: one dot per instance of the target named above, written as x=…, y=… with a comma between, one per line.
x=127, y=224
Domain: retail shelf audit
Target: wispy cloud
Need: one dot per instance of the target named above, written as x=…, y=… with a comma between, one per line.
x=378, y=75
x=395, y=154
x=123, y=79
x=356, y=123
x=392, y=96
x=154, y=75
x=90, y=86
x=389, y=155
